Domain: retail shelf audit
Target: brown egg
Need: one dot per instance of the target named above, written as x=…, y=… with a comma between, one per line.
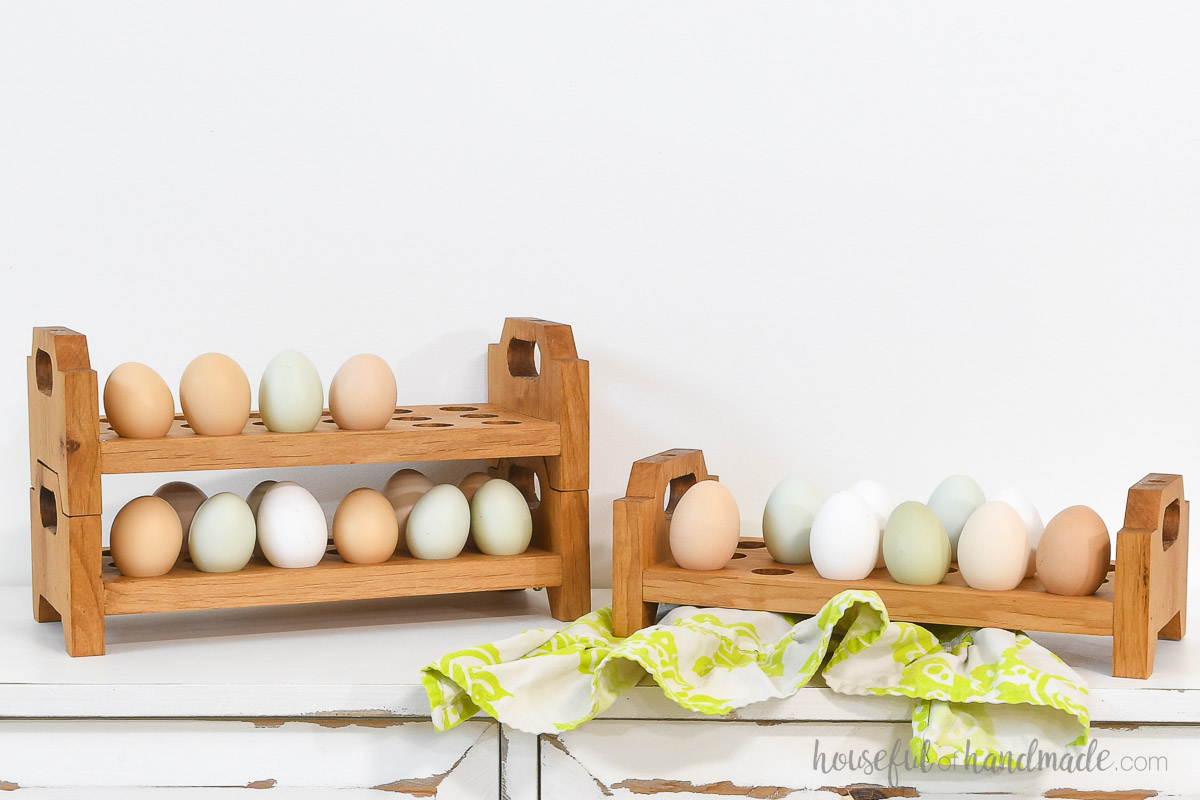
x=403, y=490
x=215, y=395
x=364, y=527
x=185, y=499
x=138, y=403
x=362, y=396
x=471, y=483
x=1074, y=553
x=146, y=537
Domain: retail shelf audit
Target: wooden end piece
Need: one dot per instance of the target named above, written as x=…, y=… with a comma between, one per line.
x=640, y=527
x=560, y=526
x=1150, y=600
x=556, y=390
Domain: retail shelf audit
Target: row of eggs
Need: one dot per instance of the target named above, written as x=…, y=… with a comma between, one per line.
x=996, y=542
x=284, y=523
x=215, y=396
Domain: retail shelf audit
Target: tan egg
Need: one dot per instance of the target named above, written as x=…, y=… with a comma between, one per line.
x=705, y=527
x=471, y=483
x=403, y=490
x=185, y=499
x=138, y=403
x=364, y=528
x=146, y=537
x=1074, y=553
x=362, y=396
x=215, y=395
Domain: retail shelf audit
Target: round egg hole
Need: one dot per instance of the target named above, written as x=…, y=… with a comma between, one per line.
x=738, y=555
x=412, y=419
x=404, y=411
x=501, y=422
x=771, y=571
x=479, y=416
x=458, y=408
x=185, y=425
x=952, y=570
x=260, y=422
x=433, y=425
x=751, y=545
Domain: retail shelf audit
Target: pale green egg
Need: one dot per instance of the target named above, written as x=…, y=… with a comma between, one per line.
x=222, y=535
x=787, y=521
x=290, y=395
x=954, y=501
x=916, y=549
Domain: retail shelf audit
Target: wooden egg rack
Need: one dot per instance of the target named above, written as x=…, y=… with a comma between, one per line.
x=535, y=424
x=1143, y=599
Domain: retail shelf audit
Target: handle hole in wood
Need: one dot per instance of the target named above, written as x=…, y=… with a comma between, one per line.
x=48, y=508
x=675, y=491
x=1170, y=524
x=43, y=371
x=524, y=358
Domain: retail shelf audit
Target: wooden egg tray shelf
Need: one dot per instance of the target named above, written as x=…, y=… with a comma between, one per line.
x=1144, y=597
x=185, y=588
x=422, y=433
x=533, y=431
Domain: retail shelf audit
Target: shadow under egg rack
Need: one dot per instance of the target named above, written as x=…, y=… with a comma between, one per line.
x=535, y=424
x=1143, y=599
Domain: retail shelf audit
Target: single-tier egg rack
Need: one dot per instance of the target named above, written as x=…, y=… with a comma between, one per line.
x=535, y=423
x=1143, y=599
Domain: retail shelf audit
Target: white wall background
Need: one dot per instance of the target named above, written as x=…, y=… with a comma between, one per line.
x=841, y=240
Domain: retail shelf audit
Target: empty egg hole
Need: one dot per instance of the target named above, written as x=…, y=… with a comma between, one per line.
x=751, y=545
x=185, y=425
x=524, y=359
x=48, y=509
x=675, y=491
x=259, y=422
x=403, y=411
x=952, y=570
x=479, y=416
x=502, y=422
x=737, y=555
x=43, y=372
x=413, y=419
x=434, y=425
x=771, y=571
x=1170, y=524
x=459, y=408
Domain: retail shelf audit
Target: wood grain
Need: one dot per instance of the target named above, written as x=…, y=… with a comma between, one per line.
x=185, y=588
x=1143, y=599
x=1151, y=586
x=560, y=525
x=752, y=580
x=640, y=528
x=559, y=391
x=536, y=421
x=416, y=433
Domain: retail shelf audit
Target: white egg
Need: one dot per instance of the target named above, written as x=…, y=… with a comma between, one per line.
x=221, y=538
x=292, y=530
x=845, y=538
x=501, y=524
x=1033, y=521
x=880, y=501
x=788, y=518
x=439, y=523
x=993, y=550
x=290, y=395
x=954, y=501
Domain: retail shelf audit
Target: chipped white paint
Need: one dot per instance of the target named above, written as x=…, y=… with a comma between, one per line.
x=407, y=757
x=697, y=759
x=332, y=663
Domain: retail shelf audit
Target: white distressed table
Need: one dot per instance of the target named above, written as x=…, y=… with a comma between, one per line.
x=324, y=701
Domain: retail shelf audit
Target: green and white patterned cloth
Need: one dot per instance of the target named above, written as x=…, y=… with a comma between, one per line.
x=995, y=689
